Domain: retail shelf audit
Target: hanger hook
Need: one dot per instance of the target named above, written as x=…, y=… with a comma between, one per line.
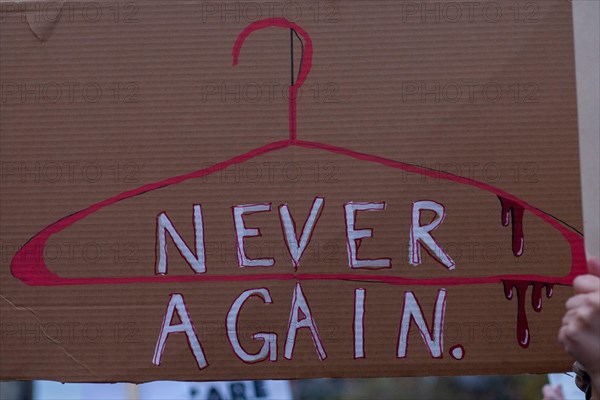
x=279, y=23
x=305, y=64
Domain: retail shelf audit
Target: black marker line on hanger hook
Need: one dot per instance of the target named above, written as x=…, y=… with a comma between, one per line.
x=293, y=74
x=292, y=55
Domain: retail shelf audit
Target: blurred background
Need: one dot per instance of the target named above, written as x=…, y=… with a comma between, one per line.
x=464, y=387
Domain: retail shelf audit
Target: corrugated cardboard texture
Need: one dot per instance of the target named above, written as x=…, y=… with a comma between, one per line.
x=477, y=99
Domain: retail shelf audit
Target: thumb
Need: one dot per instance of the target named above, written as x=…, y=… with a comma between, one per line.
x=594, y=266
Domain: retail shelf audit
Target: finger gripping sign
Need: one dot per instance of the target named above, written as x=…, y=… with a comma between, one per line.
x=356, y=264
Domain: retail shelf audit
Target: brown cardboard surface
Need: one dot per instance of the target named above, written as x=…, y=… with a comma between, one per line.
x=113, y=114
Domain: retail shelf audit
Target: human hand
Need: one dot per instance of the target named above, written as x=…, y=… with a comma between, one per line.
x=580, y=331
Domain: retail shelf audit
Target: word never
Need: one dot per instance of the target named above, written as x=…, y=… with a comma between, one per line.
x=420, y=235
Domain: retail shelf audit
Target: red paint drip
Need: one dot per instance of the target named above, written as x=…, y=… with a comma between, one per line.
x=508, y=292
x=522, y=325
x=523, y=337
x=536, y=296
x=512, y=210
x=549, y=290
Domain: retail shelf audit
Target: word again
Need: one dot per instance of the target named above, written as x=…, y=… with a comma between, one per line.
x=301, y=317
x=420, y=236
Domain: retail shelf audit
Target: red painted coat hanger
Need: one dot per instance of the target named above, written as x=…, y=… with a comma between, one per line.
x=28, y=264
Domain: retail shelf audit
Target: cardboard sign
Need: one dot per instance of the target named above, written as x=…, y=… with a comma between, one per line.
x=239, y=190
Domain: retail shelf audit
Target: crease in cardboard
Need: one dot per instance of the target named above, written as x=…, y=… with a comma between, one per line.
x=42, y=22
x=50, y=338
